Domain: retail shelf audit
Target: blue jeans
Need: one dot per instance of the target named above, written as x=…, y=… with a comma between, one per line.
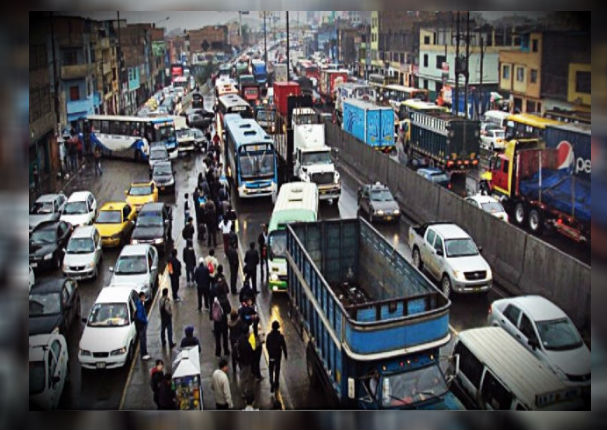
x=168, y=327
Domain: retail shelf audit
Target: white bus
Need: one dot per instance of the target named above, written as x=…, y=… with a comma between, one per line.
x=296, y=202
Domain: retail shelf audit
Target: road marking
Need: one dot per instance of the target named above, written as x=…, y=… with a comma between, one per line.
x=162, y=283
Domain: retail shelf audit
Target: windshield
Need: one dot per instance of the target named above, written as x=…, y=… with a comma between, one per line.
x=197, y=133
x=43, y=236
x=131, y=265
x=381, y=196
x=45, y=304
x=498, y=133
x=408, y=388
x=460, y=248
x=439, y=177
x=164, y=132
x=265, y=115
x=74, y=208
x=108, y=315
x=278, y=243
x=558, y=335
x=149, y=219
x=82, y=245
x=184, y=133
x=140, y=190
x=41, y=208
x=159, y=154
x=256, y=165
x=162, y=169
x=37, y=377
x=492, y=207
x=323, y=157
x=109, y=217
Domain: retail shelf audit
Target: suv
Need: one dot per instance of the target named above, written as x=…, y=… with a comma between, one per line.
x=153, y=226
x=164, y=176
x=137, y=267
x=158, y=153
x=377, y=202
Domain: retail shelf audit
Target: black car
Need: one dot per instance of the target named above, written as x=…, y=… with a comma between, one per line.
x=47, y=242
x=164, y=176
x=54, y=304
x=199, y=118
x=197, y=100
x=154, y=226
x=377, y=202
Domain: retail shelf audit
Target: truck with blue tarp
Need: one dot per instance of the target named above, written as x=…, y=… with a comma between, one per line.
x=540, y=188
x=372, y=323
x=372, y=124
x=259, y=71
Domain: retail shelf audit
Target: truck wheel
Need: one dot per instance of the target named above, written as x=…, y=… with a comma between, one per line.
x=446, y=285
x=535, y=222
x=519, y=213
x=417, y=261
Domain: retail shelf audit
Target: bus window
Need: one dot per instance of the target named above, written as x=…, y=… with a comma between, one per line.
x=105, y=127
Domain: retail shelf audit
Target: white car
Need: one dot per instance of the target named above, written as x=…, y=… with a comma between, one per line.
x=83, y=253
x=492, y=136
x=47, y=207
x=48, y=369
x=545, y=330
x=488, y=204
x=80, y=208
x=137, y=267
x=109, y=337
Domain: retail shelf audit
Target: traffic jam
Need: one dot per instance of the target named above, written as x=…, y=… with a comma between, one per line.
x=263, y=205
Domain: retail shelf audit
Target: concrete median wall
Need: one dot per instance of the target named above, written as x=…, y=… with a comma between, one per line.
x=521, y=263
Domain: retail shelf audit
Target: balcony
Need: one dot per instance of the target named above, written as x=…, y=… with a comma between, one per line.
x=76, y=71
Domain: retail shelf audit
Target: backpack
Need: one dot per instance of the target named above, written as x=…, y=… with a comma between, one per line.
x=217, y=311
x=164, y=307
x=211, y=267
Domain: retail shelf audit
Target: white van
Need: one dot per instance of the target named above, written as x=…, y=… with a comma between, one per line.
x=496, y=372
x=497, y=117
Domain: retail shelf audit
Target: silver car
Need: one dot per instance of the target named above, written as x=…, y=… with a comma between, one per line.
x=137, y=267
x=47, y=207
x=83, y=254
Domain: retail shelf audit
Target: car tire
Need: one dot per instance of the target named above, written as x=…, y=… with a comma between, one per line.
x=520, y=213
x=535, y=222
x=446, y=285
x=417, y=259
x=130, y=354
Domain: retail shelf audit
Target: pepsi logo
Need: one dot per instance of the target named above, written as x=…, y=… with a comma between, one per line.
x=565, y=157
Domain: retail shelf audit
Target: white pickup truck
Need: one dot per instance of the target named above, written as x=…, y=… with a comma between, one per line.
x=449, y=255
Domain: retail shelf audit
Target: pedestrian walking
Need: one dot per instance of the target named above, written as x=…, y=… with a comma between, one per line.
x=167, y=398
x=257, y=350
x=221, y=285
x=234, y=263
x=251, y=260
x=248, y=314
x=188, y=230
x=199, y=202
x=189, y=259
x=189, y=339
x=246, y=292
x=220, y=310
x=245, y=358
x=156, y=377
x=225, y=226
x=97, y=156
x=186, y=209
x=221, y=386
x=235, y=328
x=212, y=263
x=174, y=267
x=211, y=221
x=233, y=237
x=276, y=347
x=262, y=240
x=141, y=326
x=203, y=283
x=166, y=318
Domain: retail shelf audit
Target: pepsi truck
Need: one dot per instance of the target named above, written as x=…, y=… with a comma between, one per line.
x=372, y=323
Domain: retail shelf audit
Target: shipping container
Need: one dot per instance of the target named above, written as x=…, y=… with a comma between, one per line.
x=370, y=123
x=282, y=90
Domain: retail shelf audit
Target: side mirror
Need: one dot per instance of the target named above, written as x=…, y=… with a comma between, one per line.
x=439, y=251
x=533, y=343
x=480, y=249
x=154, y=268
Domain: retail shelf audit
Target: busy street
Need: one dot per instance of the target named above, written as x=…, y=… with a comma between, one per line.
x=285, y=224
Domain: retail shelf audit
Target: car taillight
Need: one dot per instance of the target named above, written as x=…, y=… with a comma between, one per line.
x=449, y=186
x=490, y=309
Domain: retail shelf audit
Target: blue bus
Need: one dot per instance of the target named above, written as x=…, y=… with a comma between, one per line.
x=129, y=136
x=250, y=157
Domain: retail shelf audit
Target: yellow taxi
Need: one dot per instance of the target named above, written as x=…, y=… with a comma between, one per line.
x=141, y=193
x=115, y=222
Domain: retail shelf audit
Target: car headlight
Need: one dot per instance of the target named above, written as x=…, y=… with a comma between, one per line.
x=55, y=330
x=64, y=267
x=273, y=277
x=158, y=241
x=396, y=212
x=84, y=352
x=379, y=212
x=48, y=256
x=336, y=177
x=91, y=264
x=134, y=242
x=489, y=274
x=458, y=275
x=119, y=351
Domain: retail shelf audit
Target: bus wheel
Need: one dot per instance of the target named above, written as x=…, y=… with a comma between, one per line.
x=535, y=222
x=519, y=213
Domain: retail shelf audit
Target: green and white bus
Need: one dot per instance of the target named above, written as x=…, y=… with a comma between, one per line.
x=296, y=202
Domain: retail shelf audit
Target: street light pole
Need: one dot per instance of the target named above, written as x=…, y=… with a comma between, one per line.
x=288, y=61
x=265, y=48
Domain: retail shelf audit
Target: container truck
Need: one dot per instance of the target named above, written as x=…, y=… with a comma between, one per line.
x=282, y=90
x=280, y=72
x=529, y=180
x=329, y=80
x=259, y=71
x=372, y=124
x=572, y=141
x=372, y=323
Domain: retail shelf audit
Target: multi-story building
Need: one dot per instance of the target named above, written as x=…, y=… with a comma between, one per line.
x=160, y=58
x=106, y=67
x=136, y=49
x=212, y=38
x=538, y=80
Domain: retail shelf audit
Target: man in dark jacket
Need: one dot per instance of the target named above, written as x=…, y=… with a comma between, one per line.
x=233, y=237
x=245, y=360
x=246, y=292
x=276, y=346
x=189, y=259
x=167, y=398
x=248, y=314
x=234, y=263
x=188, y=230
x=156, y=377
x=262, y=240
x=220, y=324
x=210, y=217
x=251, y=260
x=141, y=325
x=190, y=339
x=203, y=283
x=174, y=274
x=166, y=318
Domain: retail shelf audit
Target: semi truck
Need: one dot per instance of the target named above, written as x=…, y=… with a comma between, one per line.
x=280, y=72
x=572, y=141
x=442, y=139
x=372, y=124
x=539, y=187
x=372, y=323
x=329, y=80
x=259, y=71
x=282, y=90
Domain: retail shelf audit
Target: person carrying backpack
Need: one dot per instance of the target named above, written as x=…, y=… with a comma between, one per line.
x=166, y=318
x=219, y=311
x=188, y=231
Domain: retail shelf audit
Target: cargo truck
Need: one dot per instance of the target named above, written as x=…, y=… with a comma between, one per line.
x=572, y=141
x=372, y=124
x=259, y=71
x=372, y=323
x=329, y=80
x=537, y=186
x=282, y=90
x=280, y=72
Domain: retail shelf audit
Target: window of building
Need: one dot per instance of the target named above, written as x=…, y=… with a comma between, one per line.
x=582, y=82
x=425, y=60
x=74, y=93
x=70, y=57
x=440, y=59
x=425, y=84
x=534, y=43
x=426, y=40
x=402, y=58
x=530, y=106
x=520, y=74
x=506, y=71
x=533, y=76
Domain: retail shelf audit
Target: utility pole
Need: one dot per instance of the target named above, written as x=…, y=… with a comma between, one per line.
x=55, y=80
x=481, y=109
x=457, y=69
x=119, y=74
x=466, y=74
x=265, y=47
x=288, y=61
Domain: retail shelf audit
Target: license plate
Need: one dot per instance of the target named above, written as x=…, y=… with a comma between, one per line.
x=34, y=265
x=388, y=218
x=101, y=365
x=161, y=188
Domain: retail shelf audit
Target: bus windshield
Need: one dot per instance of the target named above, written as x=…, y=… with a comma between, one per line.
x=258, y=164
x=164, y=132
x=407, y=388
x=278, y=243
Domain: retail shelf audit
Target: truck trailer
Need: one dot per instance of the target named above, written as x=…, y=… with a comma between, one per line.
x=372, y=323
x=372, y=124
x=329, y=80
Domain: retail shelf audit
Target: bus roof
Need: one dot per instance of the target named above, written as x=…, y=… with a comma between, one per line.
x=532, y=120
x=229, y=100
x=296, y=201
x=421, y=105
x=396, y=87
x=245, y=131
x=128, y=118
